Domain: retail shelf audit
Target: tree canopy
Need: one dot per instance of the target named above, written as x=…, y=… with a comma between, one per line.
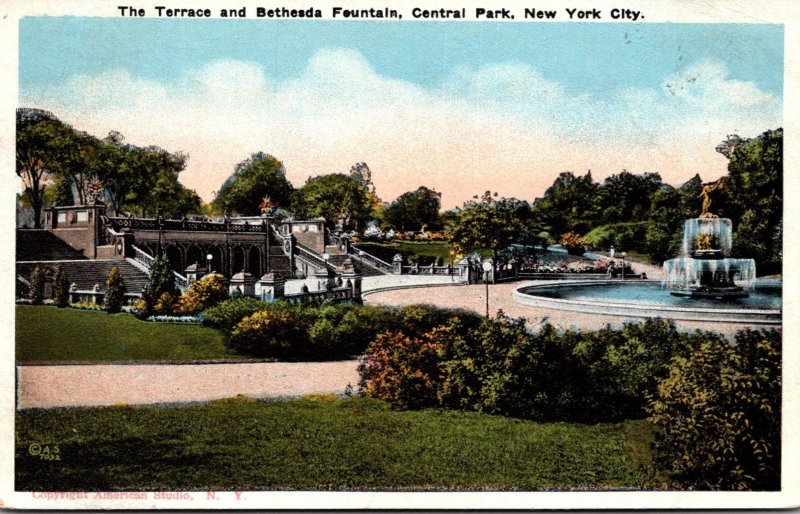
x=132, y=178
x=753, y=198
x=489, y=223
x=40, y=137
x=338, y=198
x=414, y=209
x=254, y=178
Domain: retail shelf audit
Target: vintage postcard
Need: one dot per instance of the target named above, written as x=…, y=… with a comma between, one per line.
x=423, y=255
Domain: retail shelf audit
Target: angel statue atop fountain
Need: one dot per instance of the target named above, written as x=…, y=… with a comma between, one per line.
x=705, y=194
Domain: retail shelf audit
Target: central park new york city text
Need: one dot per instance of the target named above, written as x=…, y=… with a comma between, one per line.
x=478, y=13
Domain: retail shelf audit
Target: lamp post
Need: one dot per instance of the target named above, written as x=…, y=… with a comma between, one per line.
x=487, y=267
x=209, y=257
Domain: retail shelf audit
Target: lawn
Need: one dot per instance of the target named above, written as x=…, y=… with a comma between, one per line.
x=46, y=333
x=321, y=443
x=428, y=250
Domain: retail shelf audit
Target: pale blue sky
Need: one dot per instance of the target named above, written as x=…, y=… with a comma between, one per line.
x=594, y=57
x=457, y=106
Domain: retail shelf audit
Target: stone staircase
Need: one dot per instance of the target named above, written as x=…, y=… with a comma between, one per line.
x=86, y=273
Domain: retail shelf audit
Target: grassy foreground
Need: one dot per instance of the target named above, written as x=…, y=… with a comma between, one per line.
x=320, y=443
x=46, y=333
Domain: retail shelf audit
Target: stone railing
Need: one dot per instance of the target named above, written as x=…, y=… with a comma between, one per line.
x=450, y=270
x=232, y=225
x=369, y=260
x=340, y=294
x=147, y=260
x=143, y=257
x=312, y=258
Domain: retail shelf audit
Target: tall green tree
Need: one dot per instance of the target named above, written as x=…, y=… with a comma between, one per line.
x=61, y=287
x=40, y=137
x=489, y=223
x=115, y=291
x=160, y=292
x=338, y=198
x=753, y=198
x=626, y=196
x=414, y=209
x=256, y=177
x=566, y=203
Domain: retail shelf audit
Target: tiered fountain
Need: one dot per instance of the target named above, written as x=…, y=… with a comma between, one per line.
x=700, y=279
x=705, y=269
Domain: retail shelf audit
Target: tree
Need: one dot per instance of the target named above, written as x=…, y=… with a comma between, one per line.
x=145, y=179
x=61, y=287
x=626, y=196
x=132, y=178
x=414, y=209
x=753, y=197
x=115, y=291
x=254, y=178
x=338, y=198
x=62, y=194
x=36, y=294
x=39, y=138
x=491, y=224
x=160, y=293
x=567, y=202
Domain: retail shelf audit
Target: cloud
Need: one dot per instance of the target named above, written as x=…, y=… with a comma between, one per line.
x=503, y=126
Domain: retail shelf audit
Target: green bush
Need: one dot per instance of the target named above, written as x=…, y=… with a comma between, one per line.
x=278, y=334
x=202, y=294
x=115, y=291
x=718, y=414
x=227, y=314
x=61, y=287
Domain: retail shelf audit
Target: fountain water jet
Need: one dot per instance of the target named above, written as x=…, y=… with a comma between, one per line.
x=705, y=269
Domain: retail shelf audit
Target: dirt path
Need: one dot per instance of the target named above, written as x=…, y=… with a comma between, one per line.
x=99, y=384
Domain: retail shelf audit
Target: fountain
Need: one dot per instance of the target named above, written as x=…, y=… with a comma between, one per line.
x=704, y=268
x=705, y=282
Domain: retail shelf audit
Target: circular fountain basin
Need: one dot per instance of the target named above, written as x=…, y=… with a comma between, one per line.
x=649, y=299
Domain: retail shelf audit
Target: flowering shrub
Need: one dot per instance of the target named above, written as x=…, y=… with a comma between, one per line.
x=86, y=306
x=162, y=318
x=574, y=243
x=202, y=294
x=401, y=369
x=602, y=264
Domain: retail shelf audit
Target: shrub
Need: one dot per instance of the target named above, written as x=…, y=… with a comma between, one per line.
x=574, y=243
x=160, y=294
x=165, y=303
x=61, y=287
x=402, y=370
x=278, y=334
x=115, y=291
x=36, y=293
x=499, y=366
x=718, y=414
x=228, y=313
x=202, y=294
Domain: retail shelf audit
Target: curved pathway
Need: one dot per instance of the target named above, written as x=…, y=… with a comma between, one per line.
x=113, y=384
x=473, y=297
